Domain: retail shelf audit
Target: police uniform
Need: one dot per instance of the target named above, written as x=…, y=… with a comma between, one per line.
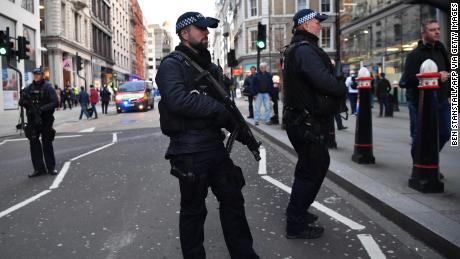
x=193, y=119
x=312, y=97
x=39, y=99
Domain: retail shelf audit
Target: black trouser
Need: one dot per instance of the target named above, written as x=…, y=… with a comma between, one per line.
x=251, y=107
x=338, y=120
x=104, y=105
x=312, y=165
x=275, y=107
x=43, y=148
x=64, y=100
x=212, y=169
x=383, y=102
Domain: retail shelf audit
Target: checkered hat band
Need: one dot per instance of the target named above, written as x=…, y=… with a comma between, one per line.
x=186, y=22
x=306, y=18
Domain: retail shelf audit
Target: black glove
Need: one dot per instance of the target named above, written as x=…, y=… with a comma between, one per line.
x=244, y=137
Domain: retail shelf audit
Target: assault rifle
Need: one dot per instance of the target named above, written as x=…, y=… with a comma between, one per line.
x=241, y=128
x=27, y=100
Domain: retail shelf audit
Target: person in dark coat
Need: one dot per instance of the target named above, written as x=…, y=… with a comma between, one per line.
x=247, y=90
x=383, y=90
x=428, y=48
x=105, y=99
x=262, y=87
x=83, y=99
x=193, y=119
x=312, y=96
x=39, y=99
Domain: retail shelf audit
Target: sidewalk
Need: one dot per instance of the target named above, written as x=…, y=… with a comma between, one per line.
x=433, y=218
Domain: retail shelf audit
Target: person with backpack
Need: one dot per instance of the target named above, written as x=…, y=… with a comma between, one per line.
x=94, y=99
x=352, y=86
x=105, y=99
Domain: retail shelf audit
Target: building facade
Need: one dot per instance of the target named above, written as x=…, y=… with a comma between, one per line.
x=379, y=35
x=65, y=32
x=163, y=42
x=101, y=58
x=120, y=41
x=150, y=51
x=136, y=40
x=238, y=29
x=22, y=19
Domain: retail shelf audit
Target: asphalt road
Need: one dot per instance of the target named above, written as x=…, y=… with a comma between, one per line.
x=114, y=198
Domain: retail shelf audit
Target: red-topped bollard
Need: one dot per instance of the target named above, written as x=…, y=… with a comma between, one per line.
x=363, y=153
x=425, y=168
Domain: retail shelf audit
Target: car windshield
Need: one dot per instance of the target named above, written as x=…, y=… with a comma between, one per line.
x=132, y=87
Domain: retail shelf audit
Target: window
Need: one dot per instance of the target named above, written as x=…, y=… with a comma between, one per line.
x=63, y=16
x=28, y=5
x=325, y=6
x=253, y=39
x=301, y=4
x=76, y=21
x=253, y=7
x=326, y=42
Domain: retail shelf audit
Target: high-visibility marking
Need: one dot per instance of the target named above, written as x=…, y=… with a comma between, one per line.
x=92, y=151
x=24, y=203
x=372, y=248
x=263, y=161
x=88, y=130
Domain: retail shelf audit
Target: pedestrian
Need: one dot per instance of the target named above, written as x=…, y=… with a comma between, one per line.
x=58, y=96
x=83, y=99
x=352, y=86
x=262, y=86
x=192, y=117
x=94, y=99
x=312, y=97
x=67, y=96
x=105, y=99
x=275, y=98
x=74, y=95
x=429, y=47
x=383, y=91
x=39, y=99
x=247, y=90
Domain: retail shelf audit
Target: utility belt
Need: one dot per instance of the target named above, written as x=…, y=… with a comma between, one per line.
x=313, y=126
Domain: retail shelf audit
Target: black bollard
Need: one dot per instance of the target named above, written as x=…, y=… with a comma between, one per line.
x=425, y=168
x=363, y=151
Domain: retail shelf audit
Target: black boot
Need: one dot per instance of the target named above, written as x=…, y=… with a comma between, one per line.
x=309, y=232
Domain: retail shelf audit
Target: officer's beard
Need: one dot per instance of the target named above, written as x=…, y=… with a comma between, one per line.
x=199, y=46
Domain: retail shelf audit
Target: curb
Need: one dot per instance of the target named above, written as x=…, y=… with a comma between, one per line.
x=390, y=204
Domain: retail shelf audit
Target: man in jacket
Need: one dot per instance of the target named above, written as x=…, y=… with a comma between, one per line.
x=247, y=90
x=105, y=98
x=428, y=48
x=262, y=86
x=383, y=90
x=312, y=95
x=39, y=99
x=193, y=119
x=94, y=98
x=83, y=99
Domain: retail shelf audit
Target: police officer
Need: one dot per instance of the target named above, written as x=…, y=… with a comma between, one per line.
x=39, y=99
x=193, y=119
x=312, y=97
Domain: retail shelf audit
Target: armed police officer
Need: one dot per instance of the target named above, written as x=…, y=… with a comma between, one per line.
x=39, y=99
x=312, y=96
x=193, y=119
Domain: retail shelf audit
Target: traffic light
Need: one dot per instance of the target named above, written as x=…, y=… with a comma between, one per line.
x=23, y=48
x=79, y=64
x=261, y=42
x=6, y=47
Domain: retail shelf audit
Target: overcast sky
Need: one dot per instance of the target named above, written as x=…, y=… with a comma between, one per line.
x=158, y=11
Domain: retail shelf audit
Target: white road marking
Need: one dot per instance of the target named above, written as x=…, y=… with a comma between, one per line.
x=263, y=161
x=372, y=248
x=22, y=139
x=57, y=180
x=344, y=220
x=88, y=130
x=60, y=176
x=92, y=151
x=24, y=203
